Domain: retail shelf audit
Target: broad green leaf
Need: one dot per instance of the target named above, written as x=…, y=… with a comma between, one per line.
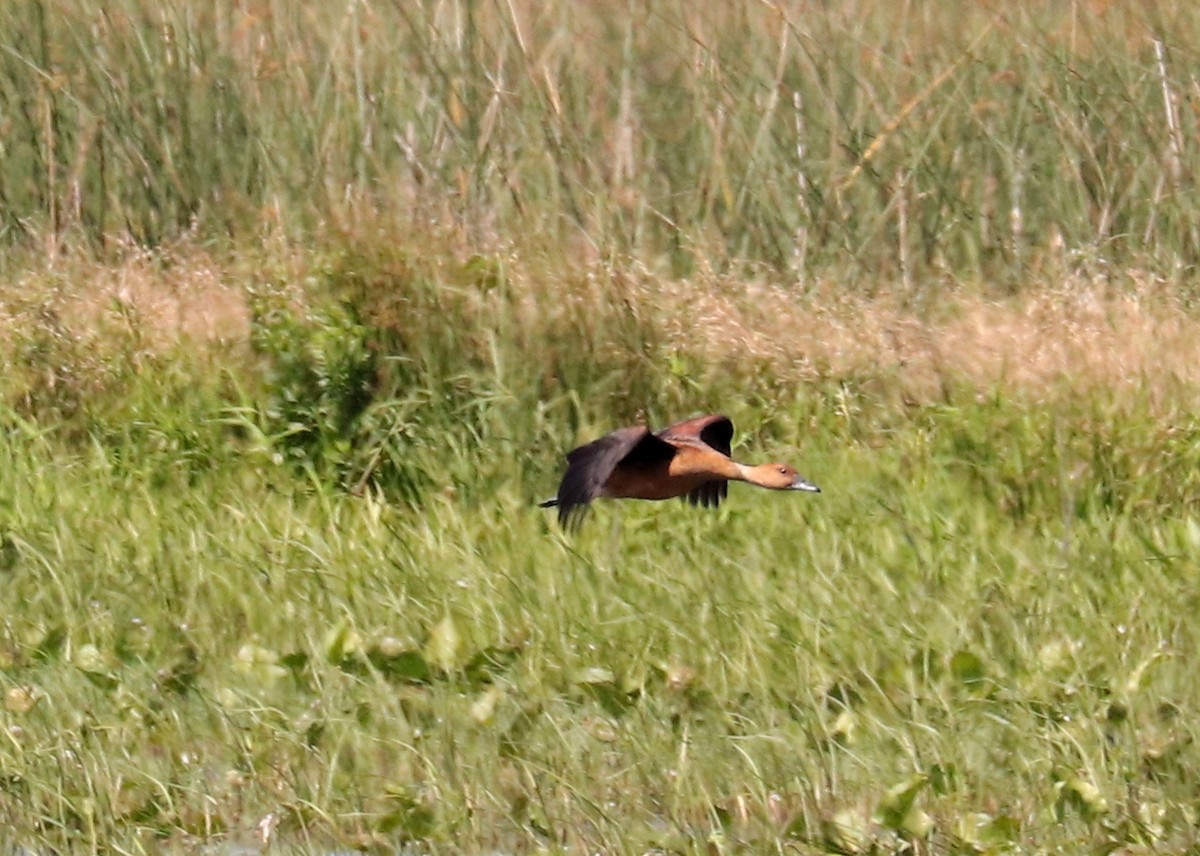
x=897, y=809
x=1084, y=796
x=967, y=668
x=341, y=641
x=406, y=665
x=89, y=659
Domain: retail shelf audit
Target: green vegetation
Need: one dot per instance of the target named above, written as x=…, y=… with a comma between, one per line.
x=301, y=305
x=916, y=142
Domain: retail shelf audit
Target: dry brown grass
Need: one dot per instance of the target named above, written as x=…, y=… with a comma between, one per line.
x=73, y=328
x=163, y=299
x=1077, y=334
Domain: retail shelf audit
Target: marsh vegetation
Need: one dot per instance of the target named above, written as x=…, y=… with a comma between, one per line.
x=301, y=305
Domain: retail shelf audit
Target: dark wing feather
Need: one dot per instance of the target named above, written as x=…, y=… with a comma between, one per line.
x=589, y=467
x=709, y=494
x=716, y=431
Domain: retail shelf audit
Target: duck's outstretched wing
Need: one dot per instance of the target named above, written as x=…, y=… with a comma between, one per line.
x=709, y=494
x=716, y=431
x=589, y=467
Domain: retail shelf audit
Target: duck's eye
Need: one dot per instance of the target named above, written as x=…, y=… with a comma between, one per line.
x=783, y=471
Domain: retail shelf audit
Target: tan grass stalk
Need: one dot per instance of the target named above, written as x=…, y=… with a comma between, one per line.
x=909, y=106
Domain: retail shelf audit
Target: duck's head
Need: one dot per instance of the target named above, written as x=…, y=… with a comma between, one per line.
x=779, y=477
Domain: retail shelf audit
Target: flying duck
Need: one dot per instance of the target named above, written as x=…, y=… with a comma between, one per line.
x=688, y=459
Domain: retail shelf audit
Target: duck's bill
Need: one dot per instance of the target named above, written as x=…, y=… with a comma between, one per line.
x=801, y=484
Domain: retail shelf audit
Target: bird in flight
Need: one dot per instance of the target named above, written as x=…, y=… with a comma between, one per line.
x=688, y=459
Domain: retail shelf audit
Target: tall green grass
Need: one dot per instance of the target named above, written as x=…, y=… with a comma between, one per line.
x=882, y=144
x=295, y=590
x=976, y=640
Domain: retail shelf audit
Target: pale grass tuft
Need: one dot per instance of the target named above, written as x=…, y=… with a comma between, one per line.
x=159, y=299
x=1076, y=333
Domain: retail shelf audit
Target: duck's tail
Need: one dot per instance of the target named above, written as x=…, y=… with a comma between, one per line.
x=548, y=503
